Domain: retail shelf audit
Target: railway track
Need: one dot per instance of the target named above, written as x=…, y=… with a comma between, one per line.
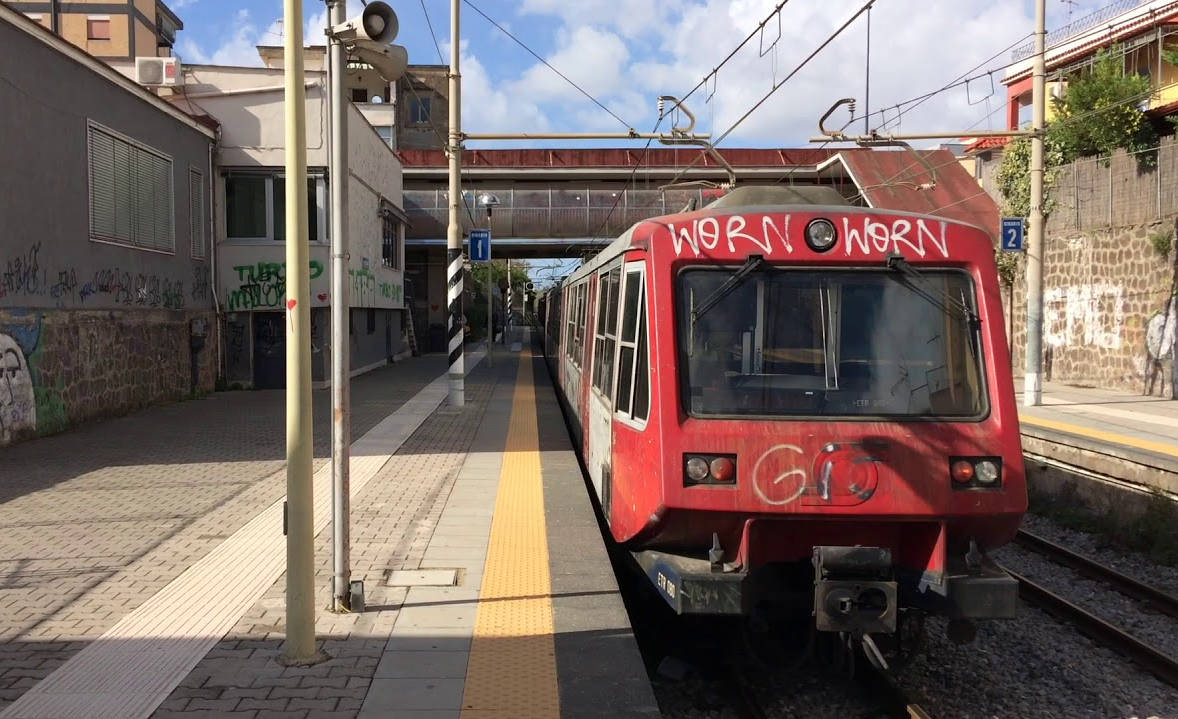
x=1160, y=664
x=893, y=698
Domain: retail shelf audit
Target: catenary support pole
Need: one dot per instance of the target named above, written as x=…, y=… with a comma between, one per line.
x=341, y=411
x=453, y=230
x=507, y=308
x=300, y=570
x=1033, y=379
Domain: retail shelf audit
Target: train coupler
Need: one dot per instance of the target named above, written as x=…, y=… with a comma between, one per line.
x=854, y=590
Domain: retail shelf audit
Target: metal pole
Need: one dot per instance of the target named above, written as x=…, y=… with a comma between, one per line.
x=453, y=232
x=867, y=80
x=341, y=413
x=675, y=139
x=1033, y=380
x=507, y=308
x=300, y=548
x=490, y=302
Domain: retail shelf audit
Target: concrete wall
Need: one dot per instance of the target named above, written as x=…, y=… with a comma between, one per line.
x=88, y=328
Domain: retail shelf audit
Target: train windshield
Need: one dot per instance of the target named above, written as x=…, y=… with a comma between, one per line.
x=832, y=343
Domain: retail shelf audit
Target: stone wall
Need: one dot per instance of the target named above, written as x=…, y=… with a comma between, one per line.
x=1106, y=294
x=59, y=368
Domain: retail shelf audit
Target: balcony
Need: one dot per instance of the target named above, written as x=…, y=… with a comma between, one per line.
x=565, y=213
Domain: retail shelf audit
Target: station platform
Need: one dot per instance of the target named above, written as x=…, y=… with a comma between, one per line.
x=146, y=578
x=1127, y=437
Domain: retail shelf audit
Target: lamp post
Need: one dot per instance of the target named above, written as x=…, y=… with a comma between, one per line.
x=489, y=201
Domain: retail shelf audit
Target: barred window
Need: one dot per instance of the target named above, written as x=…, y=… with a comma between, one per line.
x=131, y=193
x=196, y=214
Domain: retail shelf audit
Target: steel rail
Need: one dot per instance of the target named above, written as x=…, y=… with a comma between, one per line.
x=1147, y=656
x=897, y=702
x=1130, y=587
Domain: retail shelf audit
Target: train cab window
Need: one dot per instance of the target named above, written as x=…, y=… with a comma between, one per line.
x=576, y=323
x=832, y=343
x=632, y=396
x=605, y=339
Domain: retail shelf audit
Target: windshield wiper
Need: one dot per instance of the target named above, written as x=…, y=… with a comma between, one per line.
x=935, y=295
x=751, y=265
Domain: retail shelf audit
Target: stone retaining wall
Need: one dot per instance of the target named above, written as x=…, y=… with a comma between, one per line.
x=59, y=368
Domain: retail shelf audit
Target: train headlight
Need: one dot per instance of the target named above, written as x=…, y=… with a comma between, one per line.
x=975, y=473
x=821, y=235
x=987, y=471
x=697, y=469
x=709, y=469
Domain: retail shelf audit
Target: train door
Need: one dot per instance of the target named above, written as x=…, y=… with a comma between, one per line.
x=605, y=342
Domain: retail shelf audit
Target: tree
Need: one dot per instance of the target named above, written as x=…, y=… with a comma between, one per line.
x=1097, y=114
x=476, y=312
x=1100, y=113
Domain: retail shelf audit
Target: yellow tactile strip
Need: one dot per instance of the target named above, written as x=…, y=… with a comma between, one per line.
x=512, y=668
x=1111, y=437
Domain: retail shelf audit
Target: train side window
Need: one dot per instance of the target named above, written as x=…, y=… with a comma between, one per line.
x=632, y=394
x=605, y=339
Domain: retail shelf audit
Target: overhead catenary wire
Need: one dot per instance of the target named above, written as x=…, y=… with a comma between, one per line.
x=715, y=70
x=433, y=36
x=776, y=87
x=547, y=64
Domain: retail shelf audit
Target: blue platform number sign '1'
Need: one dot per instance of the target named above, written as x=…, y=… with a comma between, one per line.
x=480, y=245
x=1012, y=234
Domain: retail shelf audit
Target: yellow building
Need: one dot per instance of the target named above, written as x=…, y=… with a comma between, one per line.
x=1145, y=32
x=122, y=29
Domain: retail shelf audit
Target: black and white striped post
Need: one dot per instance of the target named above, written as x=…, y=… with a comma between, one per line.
x=454, y=264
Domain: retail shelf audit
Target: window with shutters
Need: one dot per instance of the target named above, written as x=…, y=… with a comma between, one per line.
x=131, y=194
x=632, y=393
x=196, y=214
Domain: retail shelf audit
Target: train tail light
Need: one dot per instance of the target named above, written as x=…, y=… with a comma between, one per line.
x=723, y=469
x=962, y=471
x=976, y=472
x=709, y=469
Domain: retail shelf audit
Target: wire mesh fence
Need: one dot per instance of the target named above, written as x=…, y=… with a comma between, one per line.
x=1124, y=189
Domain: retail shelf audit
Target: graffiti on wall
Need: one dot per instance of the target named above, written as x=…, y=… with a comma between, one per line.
x=23, y=276
x=1084, y=315
x=18, y=407
x=28, y=403
x=262, y=285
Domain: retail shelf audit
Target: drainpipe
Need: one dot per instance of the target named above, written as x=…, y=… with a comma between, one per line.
x=213, y=255
x=53, y=17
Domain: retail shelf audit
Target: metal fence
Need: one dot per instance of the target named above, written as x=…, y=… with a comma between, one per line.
x=567, y=212
x=1125, y=189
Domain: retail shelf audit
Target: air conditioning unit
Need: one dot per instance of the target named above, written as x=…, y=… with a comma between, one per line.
x=158, y=71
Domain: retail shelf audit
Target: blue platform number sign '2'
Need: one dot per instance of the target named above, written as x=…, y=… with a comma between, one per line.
x=480, y=245
x=1012, y=234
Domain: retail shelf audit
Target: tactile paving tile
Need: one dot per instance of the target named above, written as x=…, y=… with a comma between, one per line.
x=512, y=669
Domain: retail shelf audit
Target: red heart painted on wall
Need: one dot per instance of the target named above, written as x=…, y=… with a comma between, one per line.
x=322, y=296
x=290, y=304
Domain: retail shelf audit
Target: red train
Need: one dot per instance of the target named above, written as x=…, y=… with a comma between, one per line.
x=784, y=401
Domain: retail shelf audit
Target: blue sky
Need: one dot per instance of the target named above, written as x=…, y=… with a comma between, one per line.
x=628, y=52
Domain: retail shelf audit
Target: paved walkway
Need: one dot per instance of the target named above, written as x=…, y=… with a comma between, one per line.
x=1144, y=423
x=186, y=618
x=96, y=521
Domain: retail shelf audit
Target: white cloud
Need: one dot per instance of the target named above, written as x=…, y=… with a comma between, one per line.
x=916, y=46
x=239, y=48
x=488, y=106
